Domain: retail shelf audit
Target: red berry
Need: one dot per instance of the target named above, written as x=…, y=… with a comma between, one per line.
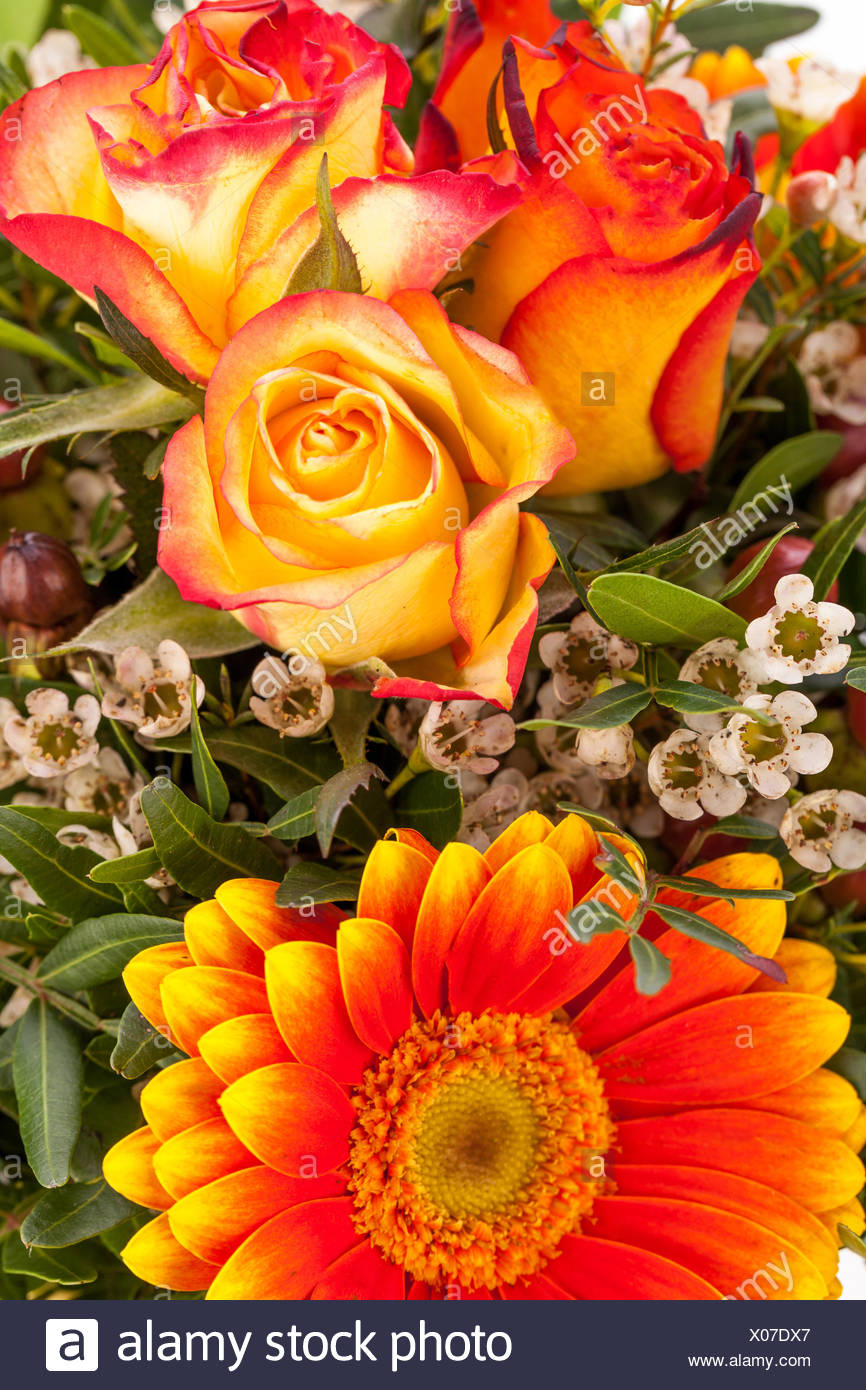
x=847, y=889
x=789, y=557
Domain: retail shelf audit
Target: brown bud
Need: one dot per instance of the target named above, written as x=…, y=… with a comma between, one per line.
x=41, y=584
x=811, y=196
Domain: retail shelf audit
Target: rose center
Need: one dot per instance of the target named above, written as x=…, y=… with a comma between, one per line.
x=471, y=1156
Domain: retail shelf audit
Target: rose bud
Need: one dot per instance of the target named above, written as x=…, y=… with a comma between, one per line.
x=756, y=599
x=12, y=471
x=41, y=584
x=810, y=197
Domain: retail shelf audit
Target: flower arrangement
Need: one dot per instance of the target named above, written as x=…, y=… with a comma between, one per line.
x=433, y=602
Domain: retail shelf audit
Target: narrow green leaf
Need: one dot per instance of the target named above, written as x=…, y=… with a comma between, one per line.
x=142, y=352
x=613, y=707
x=851, y=1240
x=130, y=868
x=336, y=795
x=135, y=403
x=77, y=1212
x=745, y=828
x=310, y=882
x=652, y=968
x=788, y=467
x=72, y=1267
x=650, y=610
x=296, y=819
x=139, y=1045
x=431, y=804
x=687, y=697
x=199, y=853
x=613, y=862
x=58, y=873
x=209, y=781
x=49, y=1083
x=705, y=888
x=742, y=580
x=699, y=929
x=54, y=818
x=833, y=545
x=720, y=26
x=330, y=263
x=97, y=951
x=100, y=40
x=19, y=339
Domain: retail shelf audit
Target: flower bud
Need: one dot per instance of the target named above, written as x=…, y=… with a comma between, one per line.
x=810, y=196
x=41, y=584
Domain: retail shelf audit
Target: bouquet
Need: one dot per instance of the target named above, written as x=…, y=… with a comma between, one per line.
x=433, y=587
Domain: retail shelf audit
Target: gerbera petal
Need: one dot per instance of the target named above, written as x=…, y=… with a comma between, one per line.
x=250, y=904
x=243, y=1044
x=529, y=829
x=199, y=1156
x=415, y=840
x=376, y=979
x=726, y=1050
x=595, y=1269
x=576, y=843
x=541, y=1289
x=145, y=973
x=181, y=1096
x=203, y=996
x=503, y=944
x=292, y=1117
x=214, y=1220
x=823, y=1099
x=458, y=878
x=392, y=886
x=791, y=1222
x=214, y=939
x=809, y=969
x=288, y=1256
x=306, y=997
x=361, y=1273
x=815, y=1169
x=156, y=1255
x=722, y=1247
x=128, y=1168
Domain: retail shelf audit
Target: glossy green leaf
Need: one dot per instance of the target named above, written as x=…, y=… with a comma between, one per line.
x=139, y=1045
x=71, y=1267
x=73, y=1213
x=49, y=1081
x=310, y=882
x=742, y=580
x=199, y=853
x=58, y=873
x=833, y=545
x=650, y=610
x=210, y=784
x=609, y=710
x=97, y=951
x=788, y=467
x=431, y=804
x=857, y=677
x=687, y=697
x=296, y=819
x=746, y=828
x=129, y=869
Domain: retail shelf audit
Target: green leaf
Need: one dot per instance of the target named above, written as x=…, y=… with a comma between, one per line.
x=97, y=951
x=310, y=882
x=209, y=782
x=699, y=929
x=135, y=403
x=833, y=545
x=7, y=1053
x=336, y=795
x=19, y=339
x=722, y=25
x=100, y=40
x=58, y=873
x=614, y=864
x=745, y=828
x=687, y=697
x=652, y=968
x=796, y=462
x=650, y=610
x=199, y=853
x=296, y=819
x=54, y=818
x=354, y=712
x=139, y=1046
x=156, y=610
x=857, y=677
x=141, y=898
x=851, y=1240
x=742, y=580
x=705, y=888
x=330, y=263
x=77, y=1212
x=130, y=868
x=613, y=707
x=142, y=352
x=431, y=804
x=72, y=1267
x=49, y=1084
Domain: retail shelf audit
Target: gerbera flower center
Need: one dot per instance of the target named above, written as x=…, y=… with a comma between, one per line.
x=479, y=1145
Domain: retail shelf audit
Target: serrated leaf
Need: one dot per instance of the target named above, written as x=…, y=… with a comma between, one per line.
x=99, y=950
x=58, y=873
x=330, y=263
x=155, y=610
x=431, y=804
x=199, y=853
x=296, y=819
x=128, y=869
x=310, y=882
x=795, y=462
x=742, y=580
x=652, y=969
x=49, y=1083
x=209, y=782
x=354, y=712
x=72, y=1267
x=658, y=613
x=720, y=26
x=833, y=545
x=345, y=789
x=619, y=705
x=698, y=929
x=139, y=1045
x=132, y=404
x=77, y=1212
x=142, y=352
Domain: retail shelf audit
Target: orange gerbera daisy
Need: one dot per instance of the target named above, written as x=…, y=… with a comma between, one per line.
x=445, y=1097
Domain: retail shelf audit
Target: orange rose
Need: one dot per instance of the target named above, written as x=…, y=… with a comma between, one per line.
x=618, y=279
x=186, y=190
x=354, y=490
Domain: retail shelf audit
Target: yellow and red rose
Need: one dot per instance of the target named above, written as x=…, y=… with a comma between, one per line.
x=618, y=278
x=445, y=1096
x=185, y=189
x=354, y=491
